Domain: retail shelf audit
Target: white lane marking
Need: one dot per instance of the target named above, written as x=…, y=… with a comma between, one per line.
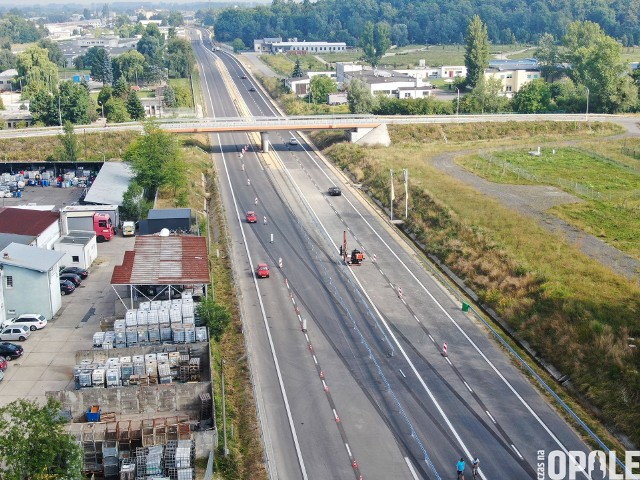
x=348, y=450
x=467, y=385
x=516, y=450
x=452, y=320
x=402, y=373
x=490, y=416
x=448, y=361
x=414, y=474
x=315, y=360
x=264, y=316
x=432, y=338
x=306, y=337
x=335, y=415
x=382, y=320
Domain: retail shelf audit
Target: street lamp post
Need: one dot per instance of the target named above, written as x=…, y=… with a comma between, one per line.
x=587, y=111
x=458, y=103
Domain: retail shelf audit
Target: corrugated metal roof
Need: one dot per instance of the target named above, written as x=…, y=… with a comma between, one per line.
x=164, y=213
x=33, y=258
x=22, y=221
x=155, y=260
x=110, y=185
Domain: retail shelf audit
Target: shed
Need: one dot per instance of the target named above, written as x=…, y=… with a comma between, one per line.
x=30, y=280
x=159, y=266
x=174, y=219
x=110, y=184
x=80, y=249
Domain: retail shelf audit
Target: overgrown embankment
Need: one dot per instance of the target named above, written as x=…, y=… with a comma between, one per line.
x=576, y=313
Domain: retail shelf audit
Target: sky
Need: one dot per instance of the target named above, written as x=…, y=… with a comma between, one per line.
x=89, y=3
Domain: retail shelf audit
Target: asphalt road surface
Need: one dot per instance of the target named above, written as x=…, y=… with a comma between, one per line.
x=365, y=390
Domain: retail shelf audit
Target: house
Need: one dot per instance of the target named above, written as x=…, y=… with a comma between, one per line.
x=276, y=45
x=43, y=225
x=300, y=85
x=173, y=219
x=6, y=79
x=80, y=249
x=512, y=80
x=30, y=280
x=152, y=106
x=15, y=119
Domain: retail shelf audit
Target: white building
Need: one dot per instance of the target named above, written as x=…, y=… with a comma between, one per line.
x=432, y=73
x=512, y=80
x=43, y=225
x=6, y=79
x=276, y=45
x=80, y=249
x=390, y=84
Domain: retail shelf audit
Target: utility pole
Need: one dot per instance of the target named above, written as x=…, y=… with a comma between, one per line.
x=224, y=412
x=392, y=196
x=405, y=173
x=59, y=111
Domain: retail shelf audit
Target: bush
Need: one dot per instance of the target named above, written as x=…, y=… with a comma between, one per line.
x=215, y=317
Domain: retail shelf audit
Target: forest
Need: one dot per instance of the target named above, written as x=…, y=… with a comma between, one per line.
x=427, y=21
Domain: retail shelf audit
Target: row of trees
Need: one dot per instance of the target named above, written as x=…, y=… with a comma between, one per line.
x=16, y=29
x=423, y=21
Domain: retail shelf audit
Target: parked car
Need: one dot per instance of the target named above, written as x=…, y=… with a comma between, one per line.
x=262, y=271
x=251, y=217
x=334, y=191
x=72, y=277
x=33, y=321
x=19, y=333
x=66, y=287
x=293, y=141
x=3, y=364
x=10, y=351
x=77, y=270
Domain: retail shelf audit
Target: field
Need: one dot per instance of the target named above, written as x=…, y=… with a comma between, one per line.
x=577, y=314
x=610, y=190
x=284, y=64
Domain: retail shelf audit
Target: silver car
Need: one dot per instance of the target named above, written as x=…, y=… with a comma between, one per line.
x=15, y=332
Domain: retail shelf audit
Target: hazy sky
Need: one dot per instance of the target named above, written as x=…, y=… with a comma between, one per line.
x=86, y=3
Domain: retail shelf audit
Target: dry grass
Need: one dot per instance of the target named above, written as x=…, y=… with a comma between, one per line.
x=93, y=146
x=578, y=314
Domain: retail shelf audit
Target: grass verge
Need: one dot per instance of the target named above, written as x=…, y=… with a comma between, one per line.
x=576, y=313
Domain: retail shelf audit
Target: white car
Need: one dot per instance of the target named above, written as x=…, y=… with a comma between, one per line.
x=293, y=141
x=16, y=332
x=32, y=321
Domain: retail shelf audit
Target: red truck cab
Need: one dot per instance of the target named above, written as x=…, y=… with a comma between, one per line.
x=103, y=227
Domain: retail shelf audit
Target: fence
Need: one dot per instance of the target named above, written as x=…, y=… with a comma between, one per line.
x=208, y=473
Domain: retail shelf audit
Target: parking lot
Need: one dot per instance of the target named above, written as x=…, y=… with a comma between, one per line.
x=49, y=354
x=60, y=197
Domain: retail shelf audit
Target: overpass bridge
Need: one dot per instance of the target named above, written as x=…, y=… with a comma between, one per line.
x=366, y=129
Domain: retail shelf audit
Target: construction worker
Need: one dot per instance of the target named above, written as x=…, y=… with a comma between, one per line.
x=475, y=465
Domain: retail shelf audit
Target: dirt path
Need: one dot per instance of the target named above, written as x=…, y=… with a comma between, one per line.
x=534, y=201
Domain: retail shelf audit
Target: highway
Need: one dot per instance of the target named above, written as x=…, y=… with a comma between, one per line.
x=365, y=391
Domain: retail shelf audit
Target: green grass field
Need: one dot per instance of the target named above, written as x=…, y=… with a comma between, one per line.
x=610, y=190
x=284, y=64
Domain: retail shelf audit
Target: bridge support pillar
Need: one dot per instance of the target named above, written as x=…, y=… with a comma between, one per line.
x=371, y=136
x=264, y=139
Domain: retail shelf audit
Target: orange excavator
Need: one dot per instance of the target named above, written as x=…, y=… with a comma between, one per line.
x=355, y=258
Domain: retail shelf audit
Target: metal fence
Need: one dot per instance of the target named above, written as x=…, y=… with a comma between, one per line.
x=208, y=473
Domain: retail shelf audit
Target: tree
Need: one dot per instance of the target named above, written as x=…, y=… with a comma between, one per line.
x=69, y=150
x=101, y=67
x=399, y=34
x=596, y=63
x=131, y=208
x=76, y=105
x=476, y=57
x=179, y=58
x=43, y=108
x=129, y=65
x=121, y=88
x=151, y=45
x=359, y=97
x=86, y=13
x=54, y=52
x=105, y=94
x=548, y=56
x=116, y=110
x=486, y=97
x=105, y=11
x=297, y=70
x=238, y=45
x=214, y=316
x=175, y=19
x=34, y=445
x=374, y=42
x=35, y=71
x=320, y=86
x=170, y=97
x=78, y=62
x=533, y=97
x=134, y=106
x=7, y=59
x=151, y=156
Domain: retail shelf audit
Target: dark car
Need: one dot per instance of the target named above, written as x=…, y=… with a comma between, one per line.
x=66, y=287
x=334, y=191
x=244, y=77
x=252, y=89
x=10, y=351
x=72, y=277
x=77, y=270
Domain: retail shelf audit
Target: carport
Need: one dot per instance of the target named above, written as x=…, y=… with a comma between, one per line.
x=158, y=267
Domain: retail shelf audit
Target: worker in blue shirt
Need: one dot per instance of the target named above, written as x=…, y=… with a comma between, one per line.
x=460, y=469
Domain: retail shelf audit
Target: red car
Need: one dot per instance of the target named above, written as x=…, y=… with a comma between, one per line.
x=3, y=364
x=262, y=271
x=251, y=217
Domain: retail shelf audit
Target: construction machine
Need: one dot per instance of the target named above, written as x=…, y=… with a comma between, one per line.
x=355, y=258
